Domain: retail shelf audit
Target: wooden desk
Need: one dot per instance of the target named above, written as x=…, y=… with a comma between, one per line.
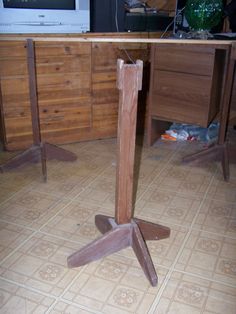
x=219, y=49
x=81, y=107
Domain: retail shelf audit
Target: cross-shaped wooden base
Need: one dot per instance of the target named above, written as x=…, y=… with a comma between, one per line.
x=120, y=236
x=37, y=153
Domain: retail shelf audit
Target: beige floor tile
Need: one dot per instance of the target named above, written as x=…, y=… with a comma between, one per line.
x=157, y=154
x=65, y=308
x=30, y=208
x=209, y=255
x=223, y=191
x=163, y=252
x=102, y=193
x=98, y=195
x=42, y=224
x=217, y=216
x=106, y=147
x=184, y=180
x=114, y=285
x=11, y=236
x=75, y=222
x=63, y=186
x=168, y=206
x=15, y=299
x=145, y=173
x=188, y=294
x=41, y=263
x=6, y=192
x=13, y=182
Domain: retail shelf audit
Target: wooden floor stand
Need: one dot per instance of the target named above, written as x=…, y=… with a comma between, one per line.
x=221, y=151
x=124, y=230
x=39, y=151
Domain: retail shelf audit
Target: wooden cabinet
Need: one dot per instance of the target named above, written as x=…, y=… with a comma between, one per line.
x=185, y=85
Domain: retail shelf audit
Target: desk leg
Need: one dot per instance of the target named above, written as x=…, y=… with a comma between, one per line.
x=220, y=151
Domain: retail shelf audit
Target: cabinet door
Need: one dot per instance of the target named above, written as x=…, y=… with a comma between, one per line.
x=181, y=83
x=192, y=59
x=181, y=97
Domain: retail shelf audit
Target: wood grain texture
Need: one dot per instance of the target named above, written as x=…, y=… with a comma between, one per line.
x=129, y=82
x=123, y=231
x=186, y=85
x=38, y=150
x=77, y=94
x=76, y=89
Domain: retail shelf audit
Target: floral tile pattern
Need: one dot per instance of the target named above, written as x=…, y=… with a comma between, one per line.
x=218, y=217
x=209, y=255
x=41, y=224
x=187, y=294
x=15, y=299
x=113, y=285
x=29, y=208
x=41, y=264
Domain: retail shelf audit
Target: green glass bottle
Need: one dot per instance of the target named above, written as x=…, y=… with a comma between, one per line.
x=202, y=15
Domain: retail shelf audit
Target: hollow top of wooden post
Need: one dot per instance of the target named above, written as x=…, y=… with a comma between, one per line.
x=121, y=66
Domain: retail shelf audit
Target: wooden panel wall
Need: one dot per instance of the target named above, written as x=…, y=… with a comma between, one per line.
x=77, y=94
x=64, y=89
x=15, y=93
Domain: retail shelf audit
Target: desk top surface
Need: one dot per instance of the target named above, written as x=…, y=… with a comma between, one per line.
x=118, y=40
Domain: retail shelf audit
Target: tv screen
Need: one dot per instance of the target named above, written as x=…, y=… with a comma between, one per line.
x=44, y=16
x=40, y=4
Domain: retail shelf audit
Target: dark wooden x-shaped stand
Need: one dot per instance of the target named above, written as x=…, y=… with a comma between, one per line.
x=124, y=230
x=39, y=150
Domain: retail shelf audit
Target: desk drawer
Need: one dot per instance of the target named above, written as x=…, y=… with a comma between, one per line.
x=186, y=60
x=181, y=97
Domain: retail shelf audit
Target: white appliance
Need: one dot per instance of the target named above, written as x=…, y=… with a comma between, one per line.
x=44, y=16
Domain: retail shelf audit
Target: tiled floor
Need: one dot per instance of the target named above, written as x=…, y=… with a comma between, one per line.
x=42, y=224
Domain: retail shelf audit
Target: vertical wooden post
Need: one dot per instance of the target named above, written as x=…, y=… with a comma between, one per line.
x=33, y=92
x=129, y=82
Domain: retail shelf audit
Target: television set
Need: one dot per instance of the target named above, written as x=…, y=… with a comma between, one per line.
x=44, y=16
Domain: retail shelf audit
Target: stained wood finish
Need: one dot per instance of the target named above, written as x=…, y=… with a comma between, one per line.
x=129, y=81
x=113, y=241
x=192, y=85
x=124, y=231
x=221, y=151
x=39, y=150
x=72, y=107
x=185, y=84
x=76, y=86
